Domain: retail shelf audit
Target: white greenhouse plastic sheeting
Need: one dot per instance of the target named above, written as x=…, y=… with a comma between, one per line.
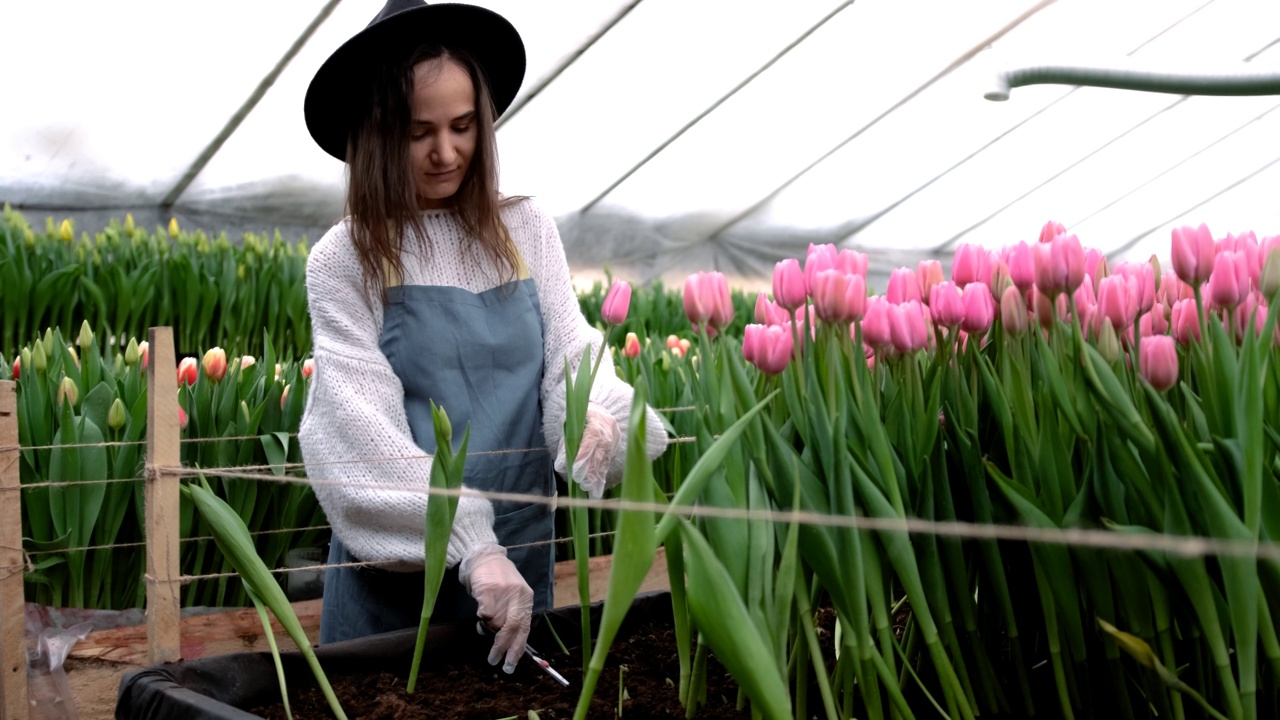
x=870, y=131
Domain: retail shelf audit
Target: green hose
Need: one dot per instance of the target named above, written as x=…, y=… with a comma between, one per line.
x=1239, y=83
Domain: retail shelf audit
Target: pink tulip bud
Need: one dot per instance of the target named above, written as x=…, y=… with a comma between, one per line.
x=1022, y=266
x=284, y=396
x=631, y=348
x=182, y=418
x=851, y=262
x=246, y=361
x=1108, y=342
x=1172, y=289
x=1084, y=298
x=928, y=274
x=215, y=364
x=908, y=330
x=1142, y=283
x=684, y=346
x=1154, y=322
x=855, y=300
x=1184, y=321
x=820, y=257
x=17, y=368
x=707, y=300
x=1093, y=260
x=979, y=308
x=829, y=290
x=1000, y=277
x=1229, y=283
x=188, y=371
x=308, y=368
x=1114, y=303
x=1013, y=312
x=616, y=303
x=1043, y=308
x=673, y=341
x=970, y=264
x=68, y=391
x=1193, y=254
x=144, y=354
x=768, y=347
x=1059, y=265
x=903, y=286
x=789, y=286
x=946, y=304
x=1160, y=362
x=876, y=324
x=1051, y=230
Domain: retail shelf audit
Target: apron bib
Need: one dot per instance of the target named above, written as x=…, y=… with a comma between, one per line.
x=480, y=357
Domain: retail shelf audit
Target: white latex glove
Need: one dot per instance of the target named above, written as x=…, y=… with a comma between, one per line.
x=601, y=439
x=505, y=600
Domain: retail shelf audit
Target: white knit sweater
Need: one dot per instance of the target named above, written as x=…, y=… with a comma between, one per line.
x=355, y=432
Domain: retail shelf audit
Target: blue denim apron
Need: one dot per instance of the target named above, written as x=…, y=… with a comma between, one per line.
x=480, y=357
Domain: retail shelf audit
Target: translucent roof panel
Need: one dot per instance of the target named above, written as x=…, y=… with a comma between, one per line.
x=692, y=133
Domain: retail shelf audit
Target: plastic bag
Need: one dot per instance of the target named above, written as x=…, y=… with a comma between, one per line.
x=47, y=686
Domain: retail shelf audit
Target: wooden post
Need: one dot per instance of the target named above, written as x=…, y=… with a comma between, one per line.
x=13, y=647
x=162, y=515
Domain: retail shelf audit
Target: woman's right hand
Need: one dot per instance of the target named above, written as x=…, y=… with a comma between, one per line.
x=505, y=601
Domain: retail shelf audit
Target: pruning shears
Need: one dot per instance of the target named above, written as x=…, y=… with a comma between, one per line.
x=534, y=655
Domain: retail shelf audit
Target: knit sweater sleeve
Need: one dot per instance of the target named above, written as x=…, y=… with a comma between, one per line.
x=355, y=436
x=566, y=334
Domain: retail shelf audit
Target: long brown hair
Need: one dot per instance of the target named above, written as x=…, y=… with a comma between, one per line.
x=381, y=197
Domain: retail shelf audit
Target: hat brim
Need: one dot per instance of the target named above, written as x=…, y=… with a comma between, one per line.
x=339, y=88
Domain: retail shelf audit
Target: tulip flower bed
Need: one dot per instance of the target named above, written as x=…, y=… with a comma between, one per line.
x=124, y=280
x=1133, y=407
x=71, y=397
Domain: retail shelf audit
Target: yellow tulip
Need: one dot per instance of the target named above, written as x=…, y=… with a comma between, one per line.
x=67, y=231
x=173, y=227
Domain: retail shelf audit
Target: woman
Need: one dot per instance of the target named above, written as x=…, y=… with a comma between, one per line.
x=436, y=289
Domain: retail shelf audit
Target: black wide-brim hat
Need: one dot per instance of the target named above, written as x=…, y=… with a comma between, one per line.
x=340, y=87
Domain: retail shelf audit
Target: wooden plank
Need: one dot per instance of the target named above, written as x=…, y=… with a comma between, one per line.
x=13, y=648
x=161, y=501
x=216, y=633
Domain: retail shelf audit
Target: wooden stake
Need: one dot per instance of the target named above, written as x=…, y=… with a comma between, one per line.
x=13, y=647
x=163, y=438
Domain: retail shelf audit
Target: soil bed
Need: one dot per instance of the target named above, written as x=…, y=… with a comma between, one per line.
x=470, y=689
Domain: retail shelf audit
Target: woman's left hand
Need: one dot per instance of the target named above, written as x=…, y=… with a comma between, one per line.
x=601, y=438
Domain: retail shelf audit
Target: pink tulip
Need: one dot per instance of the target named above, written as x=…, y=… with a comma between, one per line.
x=829, y=292
x=1154, y=322
x=188, y=371
x=631, y=348
x=946, y=304
x=979, y=308
x=1245, y=244
x=215, y=364
x=1142, y=283
x=1013, y=312
x=876, y=324
x=820, y=257
x=1229, y=283
x=928, y=274
x=246, y=362
x=1051, y=230
x=768, y=347
x=1193, y=253
x=970, y=264
x=1059, y=265
x=308, y=368
x=851, y=262
x=1093, y=260
x=616, y=303
x=1043, y=308
x=768, y=312
x=1172, y=289
x=284, y=396
x=1185, y=323
x=144, y=354
x=1160, y=362
x=789, y=286
x=1000, y=277
x=17, y=368
x=673, y=341
x=707, y=300
x=1022, y=266
x=903, y=286
x=1115, y=304
x=907, y=327
x=182, y=418
x=855, y=300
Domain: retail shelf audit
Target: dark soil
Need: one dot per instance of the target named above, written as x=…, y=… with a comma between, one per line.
x=476, y=691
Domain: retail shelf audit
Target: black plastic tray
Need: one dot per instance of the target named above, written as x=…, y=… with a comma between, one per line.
x=226, y=686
